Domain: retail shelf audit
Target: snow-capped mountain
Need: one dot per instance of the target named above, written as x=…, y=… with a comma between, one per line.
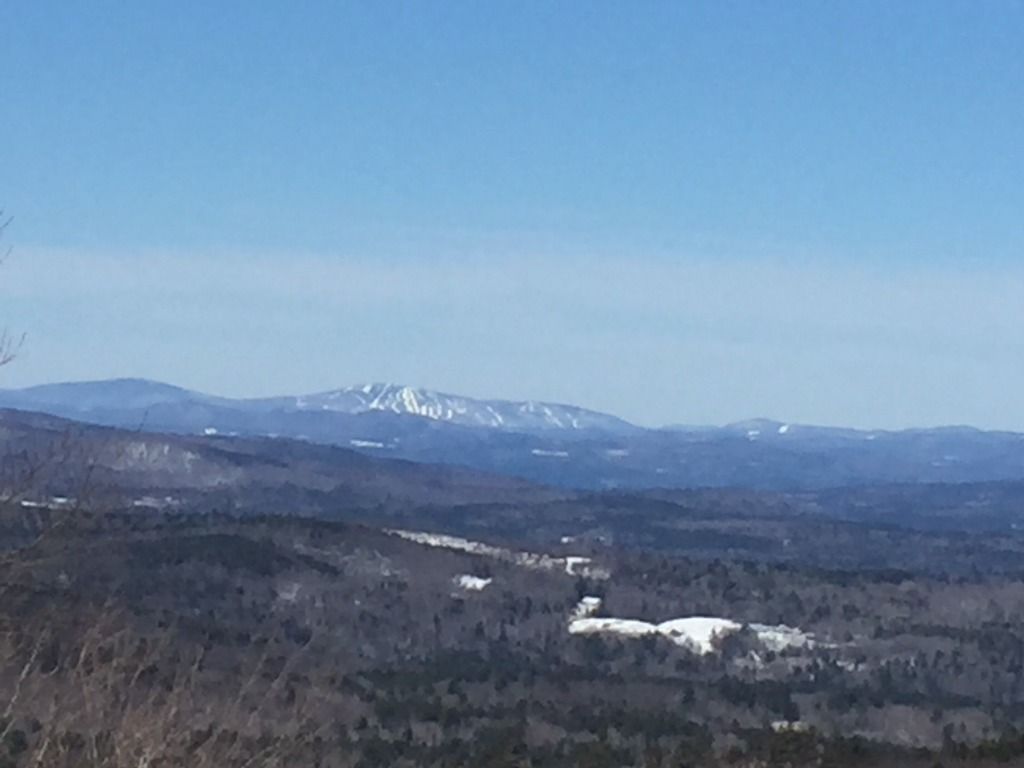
x=554, y=444
x=93, y=399
x=494, y=414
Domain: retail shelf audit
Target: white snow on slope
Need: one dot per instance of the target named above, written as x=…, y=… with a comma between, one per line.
x=574, y=565
x=552, y=454
x=780, y=637
x=625, y=627
x=55, y=502
x=472, y=583
x=697, y=633
x=588, y=606
x=495, y=414
x=365, y=444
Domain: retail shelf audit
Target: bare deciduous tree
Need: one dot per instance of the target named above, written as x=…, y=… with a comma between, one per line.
x=9, y=343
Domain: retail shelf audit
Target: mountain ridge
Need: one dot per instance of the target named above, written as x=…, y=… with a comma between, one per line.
x=425, y=402
x=403, y=399
x=561, y=446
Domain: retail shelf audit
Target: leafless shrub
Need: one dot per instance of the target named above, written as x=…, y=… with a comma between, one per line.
x=122, y=700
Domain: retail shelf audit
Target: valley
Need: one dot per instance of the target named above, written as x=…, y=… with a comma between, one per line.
x=223, y=600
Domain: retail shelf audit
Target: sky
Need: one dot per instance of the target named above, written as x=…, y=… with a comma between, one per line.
x=684, y=212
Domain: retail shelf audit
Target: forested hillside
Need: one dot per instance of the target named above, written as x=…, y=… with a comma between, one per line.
x=184, y=640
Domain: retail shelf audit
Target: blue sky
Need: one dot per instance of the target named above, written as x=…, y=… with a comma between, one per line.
x=678, y=212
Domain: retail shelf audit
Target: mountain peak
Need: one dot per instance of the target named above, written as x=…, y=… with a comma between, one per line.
x=441, y=406
x=101, y=394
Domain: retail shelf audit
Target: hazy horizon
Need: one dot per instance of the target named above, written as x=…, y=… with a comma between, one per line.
x=485, y=397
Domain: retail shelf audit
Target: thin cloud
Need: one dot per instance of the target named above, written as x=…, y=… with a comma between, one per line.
x=661, y=340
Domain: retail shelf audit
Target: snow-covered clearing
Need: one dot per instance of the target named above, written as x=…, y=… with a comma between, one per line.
x=551, y=454
x=588, y=606
x=365, y=444
x=573, y=565
x=698, y=633
x=472, y=583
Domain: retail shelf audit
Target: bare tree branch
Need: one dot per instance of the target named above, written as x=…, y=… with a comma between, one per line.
x=9, y=343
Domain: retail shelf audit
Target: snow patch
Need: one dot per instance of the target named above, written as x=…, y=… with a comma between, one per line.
x=472, y=583
x=573, y=565
x=697, y=633
x=625, y=627
x=494, y=414
x=780, y=637
x=365, y=444
x=587, y=607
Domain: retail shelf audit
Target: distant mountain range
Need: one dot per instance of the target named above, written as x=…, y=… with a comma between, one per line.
x=555, y=444
x=119, y=395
